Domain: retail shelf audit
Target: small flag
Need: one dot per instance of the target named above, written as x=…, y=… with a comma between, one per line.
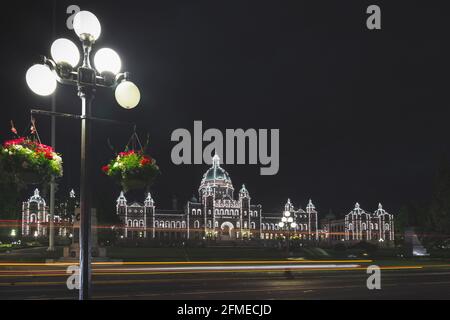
x=13, y=129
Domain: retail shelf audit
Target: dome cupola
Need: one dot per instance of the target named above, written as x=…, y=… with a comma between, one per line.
x=218, y=180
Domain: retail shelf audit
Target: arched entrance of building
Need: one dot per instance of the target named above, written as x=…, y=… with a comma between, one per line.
x=227, y=231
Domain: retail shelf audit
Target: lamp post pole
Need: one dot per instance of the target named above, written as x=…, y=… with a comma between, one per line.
x=287, y=239
x=63, y=69
x=86, y=94
x=51, y=236
x=287, y=222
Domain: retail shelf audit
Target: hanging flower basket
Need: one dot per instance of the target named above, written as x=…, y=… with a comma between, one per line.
x=132, y=170
x=29, y=161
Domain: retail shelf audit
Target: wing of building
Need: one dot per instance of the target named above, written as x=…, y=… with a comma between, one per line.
x=36, y=216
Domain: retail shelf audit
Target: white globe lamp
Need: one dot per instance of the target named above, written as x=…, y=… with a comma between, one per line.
x=127, y=94
x=107, y=59
x=65, y=51
x=41, y=80
x=85, y=23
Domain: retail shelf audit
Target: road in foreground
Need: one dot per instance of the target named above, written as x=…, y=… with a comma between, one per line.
x=229, y=280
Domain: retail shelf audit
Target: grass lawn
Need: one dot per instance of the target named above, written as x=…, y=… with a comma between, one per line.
x=33, y=254
x=193, y=254
x=40, y=254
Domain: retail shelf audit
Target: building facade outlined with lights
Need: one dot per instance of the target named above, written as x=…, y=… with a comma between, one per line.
x=216, y=214
x=36, y=216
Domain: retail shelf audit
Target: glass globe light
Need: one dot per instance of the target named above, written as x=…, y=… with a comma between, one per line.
x=284, y=219
x=290, y=219
x=107, y=59
x=293, y=225
x=287, y=213
x=41, y=79
x=86, y=23
x=127, y=95
x=281, y=224
x=65, y=51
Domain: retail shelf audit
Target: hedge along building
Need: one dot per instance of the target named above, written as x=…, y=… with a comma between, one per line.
x=217, y=214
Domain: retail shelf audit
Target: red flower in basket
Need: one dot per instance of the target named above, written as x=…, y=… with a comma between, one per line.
x=29, y=161
x=124, y=154
x=132, y=170
x=14, y=141
x=146, y=160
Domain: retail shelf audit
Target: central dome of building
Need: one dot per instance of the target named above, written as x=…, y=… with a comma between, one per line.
x=216, y=180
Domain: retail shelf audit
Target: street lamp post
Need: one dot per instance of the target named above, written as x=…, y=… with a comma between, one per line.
x=13, y=234
x=287, y=223
x=63, y=68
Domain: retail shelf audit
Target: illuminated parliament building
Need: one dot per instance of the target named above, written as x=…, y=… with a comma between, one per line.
x=219, y=213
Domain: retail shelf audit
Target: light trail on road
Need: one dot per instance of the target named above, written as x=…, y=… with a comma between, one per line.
x=105, y=263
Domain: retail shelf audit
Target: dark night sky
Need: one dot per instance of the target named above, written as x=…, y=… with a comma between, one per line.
x=363, y=115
